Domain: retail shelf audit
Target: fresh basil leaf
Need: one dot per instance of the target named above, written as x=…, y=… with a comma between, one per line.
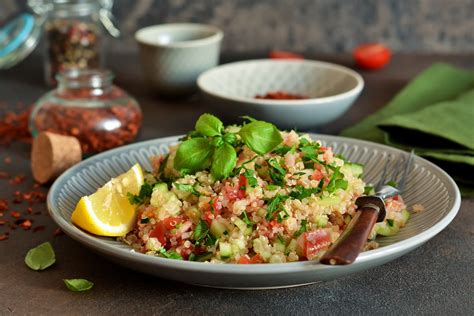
x=186, y=188
x=262, y=137
x=217, y=141
x=209, y=125
x=230, y=138
x=223, y=161
x=249, y=118
x=193, y=155
x=40, y=257
x=78, y=285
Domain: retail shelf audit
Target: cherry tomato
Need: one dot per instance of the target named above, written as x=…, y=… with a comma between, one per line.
x=280, y=54
x=312, y=242
x=372, y=56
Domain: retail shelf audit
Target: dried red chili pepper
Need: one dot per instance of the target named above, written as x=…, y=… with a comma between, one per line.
x=280, y=95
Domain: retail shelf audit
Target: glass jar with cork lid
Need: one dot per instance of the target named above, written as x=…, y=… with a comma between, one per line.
x=88, y=106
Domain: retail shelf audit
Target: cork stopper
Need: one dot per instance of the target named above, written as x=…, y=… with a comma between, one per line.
x=52, y=154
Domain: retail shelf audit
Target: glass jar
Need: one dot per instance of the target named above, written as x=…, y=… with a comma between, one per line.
x=73, y=37
x=88, y=106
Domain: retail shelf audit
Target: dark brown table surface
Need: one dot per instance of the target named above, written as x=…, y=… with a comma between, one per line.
x=437, y=278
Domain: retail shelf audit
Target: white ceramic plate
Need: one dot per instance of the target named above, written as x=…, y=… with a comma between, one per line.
x=427, y=185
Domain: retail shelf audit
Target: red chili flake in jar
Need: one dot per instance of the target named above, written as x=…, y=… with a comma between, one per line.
x=88, y=106
x=15, y=214
x=281, y=95
x=3, y=237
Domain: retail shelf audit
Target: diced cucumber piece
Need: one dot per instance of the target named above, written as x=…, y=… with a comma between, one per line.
x=384, y=229
x=405, y=216
x=162, y=187
x=260, y=247
x=279, y=246
x=225, y=249
x=321, y=221
x=328, y=200
x=217, y=228
x=277, y=258
x=291, y=246
x=241, y=225
x=248, y=231
x=357, y=169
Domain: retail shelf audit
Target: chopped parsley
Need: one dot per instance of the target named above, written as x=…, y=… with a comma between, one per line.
x=301, y=192
x=246, y=219
x=145, y=193
x=170, y=254
x=276, y=171
x=251, y=180
x=302, y=229
x=274, y=205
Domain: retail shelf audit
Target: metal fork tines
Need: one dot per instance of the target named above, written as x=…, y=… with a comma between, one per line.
x=399, y=174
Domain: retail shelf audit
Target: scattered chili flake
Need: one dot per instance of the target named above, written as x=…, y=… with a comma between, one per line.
x=17, y=197
x=36, y=185
x=14, y=126
x=3, y=237
x=281, y=95
x=3, y=205
x=15, y=214
x=17, y=179
x=4, y=175
x=12, y=226
x=3, y=222
x=7, y=160
x=29, y=210
x=58, y=232
x=24, y=223
x=39, y=228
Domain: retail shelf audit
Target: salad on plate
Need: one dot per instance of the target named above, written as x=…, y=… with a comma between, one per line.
x=236, y=194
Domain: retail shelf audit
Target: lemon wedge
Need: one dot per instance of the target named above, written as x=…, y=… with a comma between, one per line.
x=107, y=212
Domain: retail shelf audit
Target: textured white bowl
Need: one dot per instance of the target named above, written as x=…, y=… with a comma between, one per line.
x=231, y=89
x=427, y=185
x=174, y=55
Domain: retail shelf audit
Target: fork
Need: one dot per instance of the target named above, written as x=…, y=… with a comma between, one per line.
x=370, y=209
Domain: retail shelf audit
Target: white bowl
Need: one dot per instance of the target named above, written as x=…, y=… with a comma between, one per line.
x=174, y=55
x=331, y=89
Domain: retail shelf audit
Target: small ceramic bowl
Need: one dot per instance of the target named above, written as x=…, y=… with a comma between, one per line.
x=330, y=90
x=174, y=55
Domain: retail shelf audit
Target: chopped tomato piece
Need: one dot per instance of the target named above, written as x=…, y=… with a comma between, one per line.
x=159, y=232
x=256, y=259
x=280, y=54
x=245, y=259
x=317, y=175
x=312, y=242
x=171, y=222
x=242, y=187
x=372, y=56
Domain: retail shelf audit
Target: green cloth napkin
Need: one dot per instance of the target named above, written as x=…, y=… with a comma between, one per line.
x=434, y=114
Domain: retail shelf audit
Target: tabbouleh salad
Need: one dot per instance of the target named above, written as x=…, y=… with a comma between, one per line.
x=249, y=194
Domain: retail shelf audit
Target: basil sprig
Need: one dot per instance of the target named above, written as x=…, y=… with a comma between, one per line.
x=210, y=147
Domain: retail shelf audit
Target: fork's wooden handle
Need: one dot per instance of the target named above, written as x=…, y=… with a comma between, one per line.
x=351, y=242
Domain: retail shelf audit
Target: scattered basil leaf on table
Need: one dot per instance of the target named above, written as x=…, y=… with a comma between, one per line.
x=223, y=161
x=261, y=137
x=40, y=257
x=193, y=155
x=209, y=125
x=78, y=285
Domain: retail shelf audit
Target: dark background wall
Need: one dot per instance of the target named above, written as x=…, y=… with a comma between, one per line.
x=305, y=25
